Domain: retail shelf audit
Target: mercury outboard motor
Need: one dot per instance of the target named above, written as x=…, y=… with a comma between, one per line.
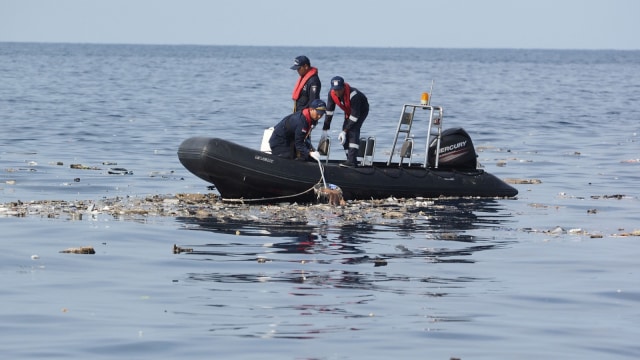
x=456, y=150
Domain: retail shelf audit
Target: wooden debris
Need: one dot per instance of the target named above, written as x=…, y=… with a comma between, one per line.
x=79, y=250
x=83, y=167
x=177, y=249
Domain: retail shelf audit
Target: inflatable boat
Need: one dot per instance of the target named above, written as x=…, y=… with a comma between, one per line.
x=447, y=168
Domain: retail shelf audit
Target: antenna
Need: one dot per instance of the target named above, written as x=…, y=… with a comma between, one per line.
x=430, y=92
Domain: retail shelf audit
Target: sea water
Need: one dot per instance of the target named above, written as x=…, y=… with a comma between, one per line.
x=550, y=274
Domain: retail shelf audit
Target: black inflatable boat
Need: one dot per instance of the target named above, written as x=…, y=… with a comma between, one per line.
x=448, y=168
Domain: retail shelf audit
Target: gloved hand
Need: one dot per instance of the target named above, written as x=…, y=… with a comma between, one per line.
x=342, y=137
x=315, y=155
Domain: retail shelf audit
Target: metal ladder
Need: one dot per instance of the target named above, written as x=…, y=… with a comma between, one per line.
x=405, y=125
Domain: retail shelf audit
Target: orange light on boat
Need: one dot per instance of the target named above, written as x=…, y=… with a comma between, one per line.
x=424, y=100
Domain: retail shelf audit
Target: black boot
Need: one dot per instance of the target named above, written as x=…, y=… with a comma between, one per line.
x=352, y=158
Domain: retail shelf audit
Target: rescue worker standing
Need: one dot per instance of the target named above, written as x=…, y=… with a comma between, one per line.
x=356, y=108
x=308, y=86
x=290, y=136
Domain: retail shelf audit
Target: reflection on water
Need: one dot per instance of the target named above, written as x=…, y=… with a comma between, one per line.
x=333, y=271
x=450, y=220
x=453, y=221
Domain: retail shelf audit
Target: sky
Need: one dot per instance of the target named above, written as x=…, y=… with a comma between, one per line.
x=513, y=24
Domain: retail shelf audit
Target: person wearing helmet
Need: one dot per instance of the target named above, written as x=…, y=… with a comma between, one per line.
x=308, y=86
x=290, y=137
x=356, y=108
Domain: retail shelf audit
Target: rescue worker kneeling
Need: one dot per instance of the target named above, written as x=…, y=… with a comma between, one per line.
x=291, y=136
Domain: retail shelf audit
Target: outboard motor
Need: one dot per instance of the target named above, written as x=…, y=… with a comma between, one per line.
x=456, y=150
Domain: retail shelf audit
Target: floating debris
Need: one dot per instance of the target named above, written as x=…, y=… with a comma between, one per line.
x=577, y=231
x=177, y=249
x=393, y=215
x=540, y=206
x=633, y=233
x=556, y=231
x=379, y=262
x=523, y=181
x=331, y=192
x=163, y=174
x=79, y=250
x=83, y=167
x=119, y=171
x=210, y=208
x=616, y=196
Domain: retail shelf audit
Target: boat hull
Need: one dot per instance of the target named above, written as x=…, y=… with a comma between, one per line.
x=239, y=172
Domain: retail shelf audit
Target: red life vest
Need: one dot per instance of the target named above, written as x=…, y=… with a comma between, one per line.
x=347, y=100
x=297, y=90
x=307, y=116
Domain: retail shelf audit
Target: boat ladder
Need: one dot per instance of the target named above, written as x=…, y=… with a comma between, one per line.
x=405, y=125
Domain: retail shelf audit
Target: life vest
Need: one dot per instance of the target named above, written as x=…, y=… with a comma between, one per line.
x=347, y=100
x=307, y=116
x=297, y=90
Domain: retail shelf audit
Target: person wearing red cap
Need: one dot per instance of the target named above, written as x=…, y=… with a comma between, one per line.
x=308, y=86
x=356, y=108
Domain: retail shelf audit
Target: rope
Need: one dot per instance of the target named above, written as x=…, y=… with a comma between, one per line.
x=242, y=200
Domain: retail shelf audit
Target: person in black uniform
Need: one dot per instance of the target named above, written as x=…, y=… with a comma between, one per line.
x=308, y=86
x=290, y=137
x=356, y=108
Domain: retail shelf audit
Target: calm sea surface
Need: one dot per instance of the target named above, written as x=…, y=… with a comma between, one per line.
x=551, y=274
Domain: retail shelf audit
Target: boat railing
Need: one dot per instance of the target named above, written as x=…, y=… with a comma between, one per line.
x=411, y=113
